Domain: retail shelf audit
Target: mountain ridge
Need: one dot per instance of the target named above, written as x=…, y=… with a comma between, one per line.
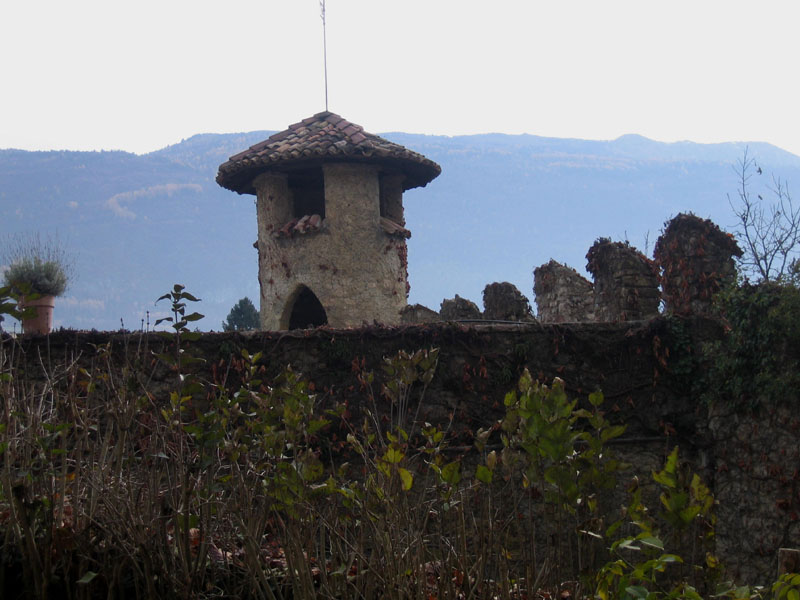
x=503, y=205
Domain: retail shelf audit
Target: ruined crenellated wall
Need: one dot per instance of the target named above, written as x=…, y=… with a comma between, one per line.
x=693, y=259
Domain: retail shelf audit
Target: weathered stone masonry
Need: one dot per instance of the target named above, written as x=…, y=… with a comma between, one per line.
x=625, y=282
x=562, y=295
x=331, y=236
x=696, y=261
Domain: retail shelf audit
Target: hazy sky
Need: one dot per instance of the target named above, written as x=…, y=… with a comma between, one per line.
x=137, y=76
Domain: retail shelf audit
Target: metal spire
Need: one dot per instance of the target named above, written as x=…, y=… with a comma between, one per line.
x=324, y=49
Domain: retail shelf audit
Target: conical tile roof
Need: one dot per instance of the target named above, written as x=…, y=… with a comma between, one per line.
x=325, y=137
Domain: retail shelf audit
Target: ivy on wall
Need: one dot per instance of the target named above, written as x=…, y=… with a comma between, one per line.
x=759, y=358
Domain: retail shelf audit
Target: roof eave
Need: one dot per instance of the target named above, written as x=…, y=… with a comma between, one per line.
x=239, y=178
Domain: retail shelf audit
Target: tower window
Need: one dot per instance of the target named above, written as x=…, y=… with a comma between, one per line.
x=391, y=197
x=308, y=191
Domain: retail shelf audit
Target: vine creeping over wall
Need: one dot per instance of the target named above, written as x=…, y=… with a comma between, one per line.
x=696, y=260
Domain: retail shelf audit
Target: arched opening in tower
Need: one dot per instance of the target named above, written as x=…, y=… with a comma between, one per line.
x=307, y=311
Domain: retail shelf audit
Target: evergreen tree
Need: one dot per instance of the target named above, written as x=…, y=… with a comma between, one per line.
x=243, y=317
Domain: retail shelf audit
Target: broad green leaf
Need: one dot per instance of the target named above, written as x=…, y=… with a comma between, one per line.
x=670, y=558
x=406, y=478
x=612, y=432
x=742, y=592
x=666, y=477
x=316, y=425
x=483, y=474
x=192, y=360
x=690, y=593
x=87, y=577
x=689, y=513
x=451, y=473
x=384, y=467
x=393, y=455
x=193, y=430
x=629, y=544
x=636, y=591
x=596, y=398
x=653, y=542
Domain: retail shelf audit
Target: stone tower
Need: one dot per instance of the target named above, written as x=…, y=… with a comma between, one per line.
x=331, y=233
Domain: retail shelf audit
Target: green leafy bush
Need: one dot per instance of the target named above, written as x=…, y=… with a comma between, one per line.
x=648, y=562
x=560, y=451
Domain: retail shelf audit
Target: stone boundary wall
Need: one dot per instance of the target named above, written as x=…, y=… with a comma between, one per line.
x=640, y=367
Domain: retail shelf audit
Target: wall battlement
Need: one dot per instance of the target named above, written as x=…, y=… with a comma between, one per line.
x=693, y=260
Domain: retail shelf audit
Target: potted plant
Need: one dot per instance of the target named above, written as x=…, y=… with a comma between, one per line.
x=37, y=271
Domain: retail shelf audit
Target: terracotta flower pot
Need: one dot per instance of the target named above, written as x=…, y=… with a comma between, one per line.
x=42, y=323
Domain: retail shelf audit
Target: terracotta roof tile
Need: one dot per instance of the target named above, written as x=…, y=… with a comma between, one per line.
x=310, y=141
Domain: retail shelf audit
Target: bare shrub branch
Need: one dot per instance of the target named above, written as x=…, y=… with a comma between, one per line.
x=769, y=231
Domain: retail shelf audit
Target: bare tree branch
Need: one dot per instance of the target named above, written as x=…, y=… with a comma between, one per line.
x=768, y=231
